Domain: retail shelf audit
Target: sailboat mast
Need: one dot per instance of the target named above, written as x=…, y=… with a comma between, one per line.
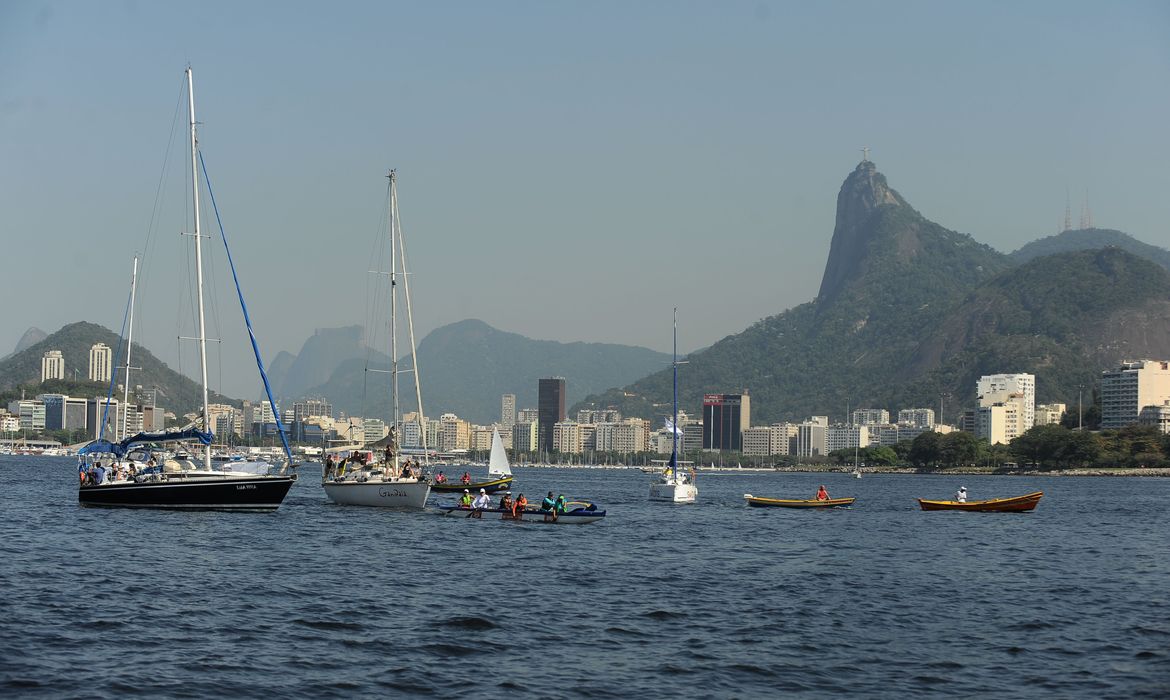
x=410, y=329
x=674, y=423
x=129, y=342
x=394, y=306
x=202, y=339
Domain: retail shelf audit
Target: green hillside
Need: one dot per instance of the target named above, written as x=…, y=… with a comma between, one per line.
x=176, y=392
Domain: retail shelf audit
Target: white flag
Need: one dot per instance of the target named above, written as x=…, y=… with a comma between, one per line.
x=670, y=427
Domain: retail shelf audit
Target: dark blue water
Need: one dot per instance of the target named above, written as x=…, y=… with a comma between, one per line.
x=710, y=600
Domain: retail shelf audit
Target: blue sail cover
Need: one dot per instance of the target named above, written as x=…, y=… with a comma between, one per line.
x=121, y=448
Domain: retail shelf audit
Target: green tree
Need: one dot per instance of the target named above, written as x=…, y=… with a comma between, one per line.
x=924, y=450
x=958, y=449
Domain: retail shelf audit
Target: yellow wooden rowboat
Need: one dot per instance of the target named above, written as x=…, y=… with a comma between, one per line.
x=763, y=502
x=1014, y=504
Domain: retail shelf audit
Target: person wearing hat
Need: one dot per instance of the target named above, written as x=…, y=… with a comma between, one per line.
x=481, y=501
x=465, y=499
x=961, y=495
x=506, y=505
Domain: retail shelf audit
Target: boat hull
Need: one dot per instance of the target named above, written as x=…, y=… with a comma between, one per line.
x=253, y=493
x=406, y=495
x=763, y=502
x=671, y=492
x=578, y=516
x=1014, y=504
x=488, y=486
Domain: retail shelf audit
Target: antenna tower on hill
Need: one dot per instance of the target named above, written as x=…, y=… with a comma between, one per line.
x=1086, y=213
x=1067, y=212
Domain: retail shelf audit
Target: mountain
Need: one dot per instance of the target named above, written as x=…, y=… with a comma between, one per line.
x=176, y=392
x=320, y=356
x=467, y=366
x=1092, y=239
x=30, y=338
x=909, y=311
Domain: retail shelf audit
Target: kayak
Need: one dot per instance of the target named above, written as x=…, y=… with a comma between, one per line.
x=763, y=502
x=1015, y=504
x=582, y=514
x=488, y=486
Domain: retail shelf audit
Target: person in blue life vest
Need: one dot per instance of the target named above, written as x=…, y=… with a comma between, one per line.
x=547, y=506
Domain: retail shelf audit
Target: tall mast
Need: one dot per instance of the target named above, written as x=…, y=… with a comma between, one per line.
x=394, y=306
x=202, y=339
x=129, y=342
x=674, y=424
x=410, y=328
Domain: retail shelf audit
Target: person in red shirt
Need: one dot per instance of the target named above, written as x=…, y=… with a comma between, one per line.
x=822, y=494
x=518, y=508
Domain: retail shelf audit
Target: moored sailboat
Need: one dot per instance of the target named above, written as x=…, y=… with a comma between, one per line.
x=184, y=483
x=391, y=483
x=673, y=485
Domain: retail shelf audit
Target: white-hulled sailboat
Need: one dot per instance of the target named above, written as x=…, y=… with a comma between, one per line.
x=674, y=485
x=390, y=483
x=183, y=483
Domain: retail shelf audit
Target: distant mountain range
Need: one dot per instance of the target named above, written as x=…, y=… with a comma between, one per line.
x=910, y=312
x=465, y=368
x=176, y=392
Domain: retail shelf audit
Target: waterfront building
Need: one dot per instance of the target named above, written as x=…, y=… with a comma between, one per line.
x=1129, y=388
x=1049, y=413
x=528, y=415
x=507, y=412
x=52, y=365
x=410, y=433
x=692, y=437
x=999, y=423
x=551, y=409
x=374, y=429
x=63, y=412
x=101, y=362
x=870, y=416
x=29, y=412
x=918, y=417
x=757, y=441
x=595, y=416
x=994, y=389
x=95, y=409
x=812, y=438
x=847, y=437
x=455, y=433
x=628, y=436
x=524, y=436
x=567, y=437
x=1156, y=416
x=725, y=416
x=8, y=422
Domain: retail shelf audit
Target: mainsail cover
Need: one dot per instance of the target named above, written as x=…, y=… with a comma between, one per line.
x=121, y=448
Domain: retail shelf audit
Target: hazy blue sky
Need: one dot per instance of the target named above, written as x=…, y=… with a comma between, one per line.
x=568, y=170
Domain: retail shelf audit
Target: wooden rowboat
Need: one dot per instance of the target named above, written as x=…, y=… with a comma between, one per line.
x=1015, y=504
x=762, y=502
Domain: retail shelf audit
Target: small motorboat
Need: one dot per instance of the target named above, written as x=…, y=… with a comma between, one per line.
x=577, y=514
x=763, y=502
x=1014, y=504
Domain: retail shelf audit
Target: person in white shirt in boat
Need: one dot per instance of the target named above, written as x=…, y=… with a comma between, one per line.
x=961, y=494
x=481, y=501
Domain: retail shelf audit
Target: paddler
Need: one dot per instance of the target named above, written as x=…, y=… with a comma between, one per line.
x=465, y=499
x=518, y=508
x=547, y=507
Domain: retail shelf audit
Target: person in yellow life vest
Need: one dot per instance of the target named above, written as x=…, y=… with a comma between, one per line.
x=465, y=499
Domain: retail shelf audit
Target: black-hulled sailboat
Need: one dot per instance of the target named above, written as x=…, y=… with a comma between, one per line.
x=111, y=476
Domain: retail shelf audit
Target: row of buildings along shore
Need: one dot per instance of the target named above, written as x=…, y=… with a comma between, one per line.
x=1132, y=393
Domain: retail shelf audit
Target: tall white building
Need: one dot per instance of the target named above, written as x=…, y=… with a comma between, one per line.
x=842, y=437
x=1125, y=391
x=508, y=411
x=52, y=365
x=812, y=437
x=101, y=363
x=1019, y=389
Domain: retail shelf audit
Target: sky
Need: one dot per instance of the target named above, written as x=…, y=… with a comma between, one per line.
x=566, y=170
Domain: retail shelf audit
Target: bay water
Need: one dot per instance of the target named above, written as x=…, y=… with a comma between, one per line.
x=713, y=599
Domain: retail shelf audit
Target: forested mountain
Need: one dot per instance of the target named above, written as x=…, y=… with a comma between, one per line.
x=910, y=311
x=176, y=392
x=1092, y=239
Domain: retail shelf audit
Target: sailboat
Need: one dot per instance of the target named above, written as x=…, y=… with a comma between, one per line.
x=390, y=483
x=674, y=486
x=499, y=473
x=183, y=482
